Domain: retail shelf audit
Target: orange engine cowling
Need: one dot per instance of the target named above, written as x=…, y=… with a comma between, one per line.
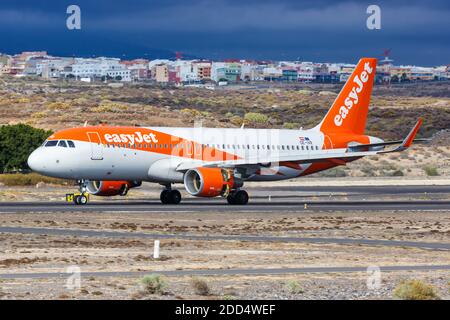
x=110, y=188
x=210, y=182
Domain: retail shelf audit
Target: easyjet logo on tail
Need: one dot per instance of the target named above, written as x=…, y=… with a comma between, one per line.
x=353, y=96
x=136, y=137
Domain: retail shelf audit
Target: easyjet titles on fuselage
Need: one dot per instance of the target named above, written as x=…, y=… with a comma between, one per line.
x=136, y=137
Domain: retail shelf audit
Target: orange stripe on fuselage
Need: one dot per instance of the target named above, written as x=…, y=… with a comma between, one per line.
x=138, y=137
x=335, y=141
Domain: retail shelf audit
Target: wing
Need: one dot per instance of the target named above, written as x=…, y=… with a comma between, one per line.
x=337, y=156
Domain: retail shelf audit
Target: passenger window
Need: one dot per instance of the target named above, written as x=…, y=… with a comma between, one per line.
x=71, y=144
x=51, y=143
x=62, y=143
x=287, y=147
x=317, y=147
x=307, y=148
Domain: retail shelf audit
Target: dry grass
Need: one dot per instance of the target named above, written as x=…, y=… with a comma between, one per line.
x=30, y=179
x=415, y=290
x=200, y=286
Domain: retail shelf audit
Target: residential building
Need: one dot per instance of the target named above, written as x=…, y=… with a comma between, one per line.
x=161, y=73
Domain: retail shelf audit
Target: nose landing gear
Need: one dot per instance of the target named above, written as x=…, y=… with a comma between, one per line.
x=79, y=198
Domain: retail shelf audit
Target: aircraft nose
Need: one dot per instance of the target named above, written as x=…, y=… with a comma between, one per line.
x=35, y=161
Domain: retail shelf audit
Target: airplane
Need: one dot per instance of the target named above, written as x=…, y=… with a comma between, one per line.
x=211, y=162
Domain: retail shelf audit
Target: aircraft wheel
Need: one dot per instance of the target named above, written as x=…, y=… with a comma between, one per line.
x=230, y=199
x=164, y=197
x=239, y=197
x=175, y=197
x=82, y=199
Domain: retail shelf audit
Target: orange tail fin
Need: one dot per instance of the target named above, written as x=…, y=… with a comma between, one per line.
x=348, y=114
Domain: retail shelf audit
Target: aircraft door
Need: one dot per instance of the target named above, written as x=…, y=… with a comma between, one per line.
x=96, y=146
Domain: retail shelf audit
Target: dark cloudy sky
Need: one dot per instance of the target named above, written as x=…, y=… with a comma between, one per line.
x=321, y=30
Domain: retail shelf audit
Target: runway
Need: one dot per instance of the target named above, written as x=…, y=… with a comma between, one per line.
x=269, y=198
x=223, y=272
x=220, y=205
x=257, y=238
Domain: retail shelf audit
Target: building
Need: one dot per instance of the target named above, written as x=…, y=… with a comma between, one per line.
x=161, y=73
x=226, y=72
x=139, y=69
x=272, y=73
x=53, y=67
x=99, y=68
x=421, y=74
x=5, y=64
x=289, y=74
x=202, y=69
x=305, y=72
x=185, y=72
x=400, y=74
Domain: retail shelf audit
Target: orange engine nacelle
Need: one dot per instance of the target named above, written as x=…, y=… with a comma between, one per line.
x=110, y=188
x=210, y=182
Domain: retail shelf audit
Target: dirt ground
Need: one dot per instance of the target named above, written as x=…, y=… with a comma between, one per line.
x=28, y=253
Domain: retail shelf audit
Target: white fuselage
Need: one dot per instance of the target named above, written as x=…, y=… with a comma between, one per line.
x=107, y=162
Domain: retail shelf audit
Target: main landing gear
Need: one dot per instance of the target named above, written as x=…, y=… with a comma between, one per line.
x=239, y=197
x=169, y=196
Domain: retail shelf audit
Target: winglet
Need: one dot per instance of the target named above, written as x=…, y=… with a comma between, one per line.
x=412, y=134
x=409, y=138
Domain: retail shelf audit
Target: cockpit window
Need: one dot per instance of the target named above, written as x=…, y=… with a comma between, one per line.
x=62, y=143
x=51, y=143
x=71, y=144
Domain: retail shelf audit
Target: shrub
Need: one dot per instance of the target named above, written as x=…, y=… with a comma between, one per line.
x=255, y=117
x=154, y=284
x=398, y=173
x=58, y=106
x=431, y=171
x=290, y=125
x=294, y=287
x=334, y=172
x=16, y=144
x=200, y=286
x=415, y=290
x=236, y=120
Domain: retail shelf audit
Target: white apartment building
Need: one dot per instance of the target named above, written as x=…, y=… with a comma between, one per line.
x=185, y=71
x=101, y=67
x=305, y=72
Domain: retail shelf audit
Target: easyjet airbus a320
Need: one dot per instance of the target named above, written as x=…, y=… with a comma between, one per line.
x=108, y=160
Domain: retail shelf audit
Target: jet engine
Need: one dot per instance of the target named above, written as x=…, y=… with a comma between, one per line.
x=210, y=182
x=110, y=188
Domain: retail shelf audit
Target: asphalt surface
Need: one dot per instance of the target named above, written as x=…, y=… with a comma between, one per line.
x=261, y=238
x=264, y=199
x=223, y=272
x=220, y=205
